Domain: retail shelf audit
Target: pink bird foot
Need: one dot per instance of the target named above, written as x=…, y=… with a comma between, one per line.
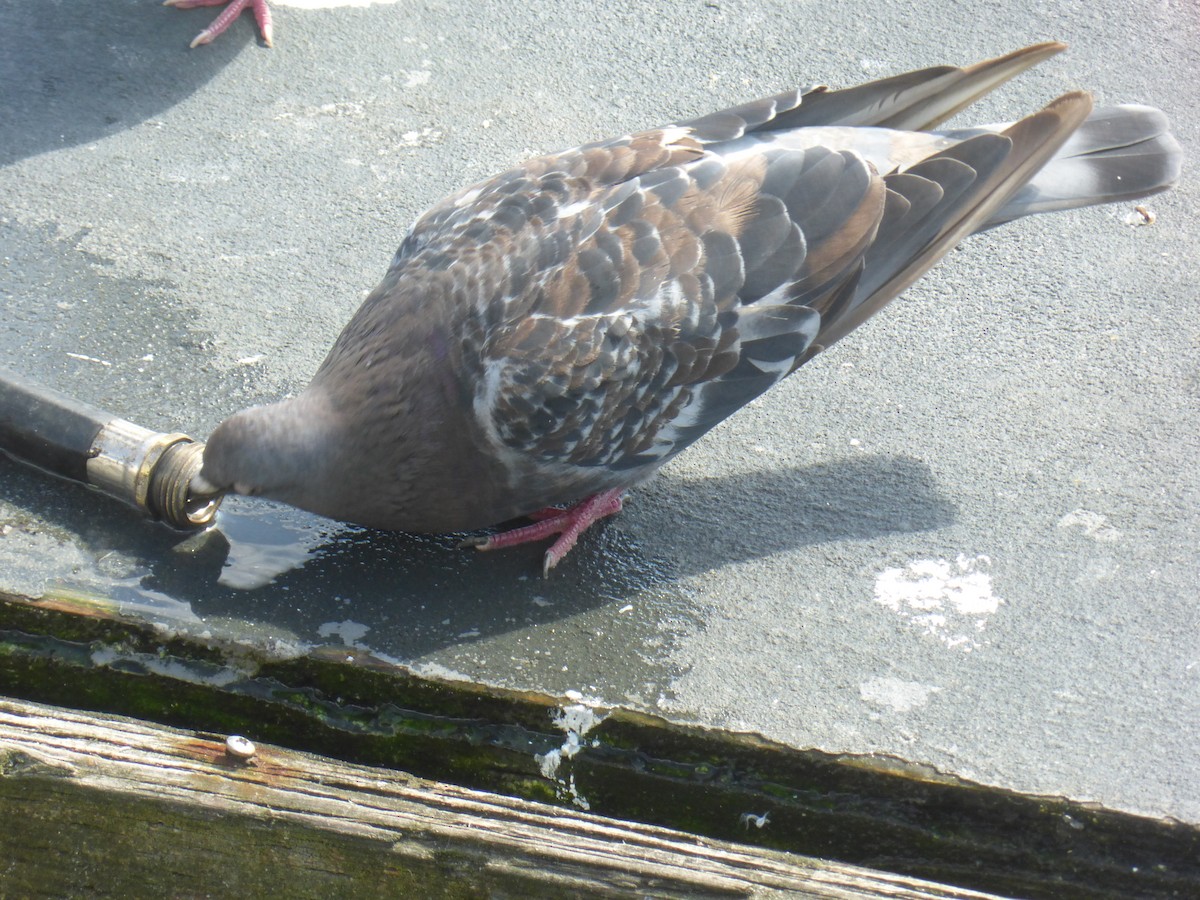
x=262, y=15
x=567, y=523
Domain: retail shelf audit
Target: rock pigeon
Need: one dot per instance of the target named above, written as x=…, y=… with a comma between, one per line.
x=262, y=15
x=562, y=330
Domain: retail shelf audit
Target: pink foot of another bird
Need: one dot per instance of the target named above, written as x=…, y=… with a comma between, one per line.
x=567, y=523
x=262, y=15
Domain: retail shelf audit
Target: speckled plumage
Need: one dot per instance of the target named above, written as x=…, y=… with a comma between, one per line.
x=565, y=328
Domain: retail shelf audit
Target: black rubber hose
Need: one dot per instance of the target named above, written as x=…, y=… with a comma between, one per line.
x=149, y=470
x=47, y=429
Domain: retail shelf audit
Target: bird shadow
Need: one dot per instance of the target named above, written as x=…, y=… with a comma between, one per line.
x=732, y=518
x=270, y=570
x=71, y=73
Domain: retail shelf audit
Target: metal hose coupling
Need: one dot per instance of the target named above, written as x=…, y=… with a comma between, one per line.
x=152, y=471
x=155, y=472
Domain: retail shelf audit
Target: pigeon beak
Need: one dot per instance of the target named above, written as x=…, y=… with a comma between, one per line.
x=202, y=487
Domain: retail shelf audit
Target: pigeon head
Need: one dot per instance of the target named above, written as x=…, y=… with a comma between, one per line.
x=280, y=451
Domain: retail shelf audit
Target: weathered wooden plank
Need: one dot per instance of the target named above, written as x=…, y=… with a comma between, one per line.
x=108, y=806
x=873, y=812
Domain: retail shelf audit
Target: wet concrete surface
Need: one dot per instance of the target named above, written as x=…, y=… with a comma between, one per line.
x=967, y=536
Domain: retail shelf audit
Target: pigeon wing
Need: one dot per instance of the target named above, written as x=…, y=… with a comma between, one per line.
x=655, y=308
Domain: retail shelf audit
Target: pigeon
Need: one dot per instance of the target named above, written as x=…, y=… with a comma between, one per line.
x=549, y=338
x=262, y=15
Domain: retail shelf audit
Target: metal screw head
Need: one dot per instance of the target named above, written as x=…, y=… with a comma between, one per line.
x=239, y=747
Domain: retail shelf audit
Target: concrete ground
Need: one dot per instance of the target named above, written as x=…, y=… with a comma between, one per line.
x=968, y=536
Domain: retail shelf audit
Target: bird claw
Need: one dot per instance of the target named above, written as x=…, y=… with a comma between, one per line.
x=262, y=15
x=567, y=523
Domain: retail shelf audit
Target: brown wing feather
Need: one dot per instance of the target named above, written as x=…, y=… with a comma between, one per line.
x=622, y=365
x=983, y=173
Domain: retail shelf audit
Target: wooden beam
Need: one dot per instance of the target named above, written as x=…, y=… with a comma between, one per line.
x=110, y=806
